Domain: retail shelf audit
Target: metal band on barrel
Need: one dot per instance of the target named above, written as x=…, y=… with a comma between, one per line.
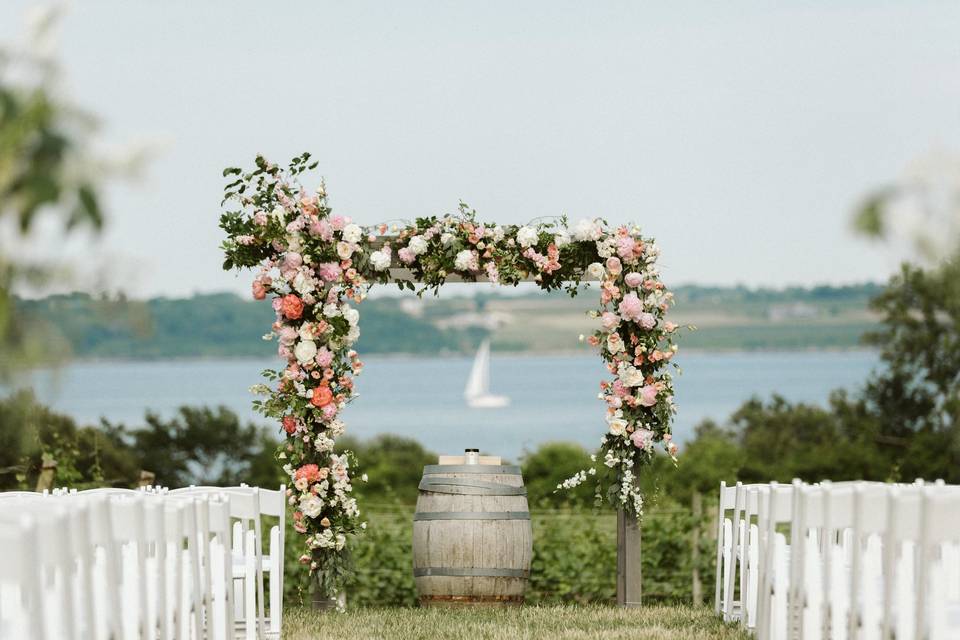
x=471, y=515
x=463, y=486
x=492, y=469
x=423, y=572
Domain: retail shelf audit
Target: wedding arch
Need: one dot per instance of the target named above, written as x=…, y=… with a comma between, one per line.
x=315, y=265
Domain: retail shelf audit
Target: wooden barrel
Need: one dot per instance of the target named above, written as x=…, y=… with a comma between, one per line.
x=472, y=539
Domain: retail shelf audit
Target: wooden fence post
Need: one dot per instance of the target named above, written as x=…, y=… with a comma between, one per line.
x=628, y=560
x=695, y=548
x=147, y=478
x=48, y=473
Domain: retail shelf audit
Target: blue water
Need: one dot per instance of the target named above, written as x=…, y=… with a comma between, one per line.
x=553, y=397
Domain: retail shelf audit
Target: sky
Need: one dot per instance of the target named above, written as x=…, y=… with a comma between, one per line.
x=741, y=135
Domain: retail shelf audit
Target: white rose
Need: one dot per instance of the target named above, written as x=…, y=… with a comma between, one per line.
x=279, y=213
x=380, y=260
x=497, y=233
x=446, y=239
x=618, y=426
x=345, y=249
x=353, y=335
x=352, y=316
x=305, y=351
x=331, y=310
x=587, y=229
x=303, y=283
x=614, y=343
x=352, y=233
x=595, y=270
x=465, y=260
x=307, y=331
x=527, y=236
x=417, y=245
x=630, y=376
x=311, y=505
x=562, y=239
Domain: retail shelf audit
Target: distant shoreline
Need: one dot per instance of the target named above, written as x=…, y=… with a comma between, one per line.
x=452, y=355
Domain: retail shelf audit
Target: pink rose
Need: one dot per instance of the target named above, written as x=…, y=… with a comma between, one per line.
x=648, y=396
x=670, y=327
x=330, y=411
x=647, y=321
x=329, y=271
x=259, y=291
x=338, y=222
x=260, y=219
x=631, y=307
x=614, y=267
x=633, y=279
x=292, y=261
x=642, y=438
x=609, y=320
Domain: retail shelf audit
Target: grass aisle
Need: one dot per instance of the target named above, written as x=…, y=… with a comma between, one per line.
x=659, y=622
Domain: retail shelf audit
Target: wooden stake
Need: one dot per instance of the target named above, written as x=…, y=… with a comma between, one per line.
x=48, y=473
x=695, y=548
x=628, y=560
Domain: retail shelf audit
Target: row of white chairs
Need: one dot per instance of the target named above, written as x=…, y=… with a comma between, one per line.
x=149, y=564
x=845, y=560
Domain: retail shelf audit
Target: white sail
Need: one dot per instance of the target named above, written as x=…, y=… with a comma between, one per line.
x=477, y=391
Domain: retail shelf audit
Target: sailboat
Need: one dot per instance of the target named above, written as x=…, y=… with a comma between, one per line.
x=477, y=393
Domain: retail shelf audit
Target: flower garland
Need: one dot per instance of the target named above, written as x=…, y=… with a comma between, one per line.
x=315, y=265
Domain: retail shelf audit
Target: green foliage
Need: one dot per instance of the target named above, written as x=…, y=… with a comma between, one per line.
x=200, y=446
x=548, y=466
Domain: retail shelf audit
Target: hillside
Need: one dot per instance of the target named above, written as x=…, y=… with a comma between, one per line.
x=224, y=325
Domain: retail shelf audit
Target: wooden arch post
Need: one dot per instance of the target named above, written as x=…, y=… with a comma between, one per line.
x=628, y=526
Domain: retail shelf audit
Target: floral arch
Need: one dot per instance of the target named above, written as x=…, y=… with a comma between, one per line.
x=316, y=265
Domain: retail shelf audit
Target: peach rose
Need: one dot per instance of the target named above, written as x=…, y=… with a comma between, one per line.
x=292, y=306
x=322, y=396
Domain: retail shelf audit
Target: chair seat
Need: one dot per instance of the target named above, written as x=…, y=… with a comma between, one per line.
x=239, y=564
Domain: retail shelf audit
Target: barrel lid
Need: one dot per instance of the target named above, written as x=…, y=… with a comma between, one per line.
x=498, y=469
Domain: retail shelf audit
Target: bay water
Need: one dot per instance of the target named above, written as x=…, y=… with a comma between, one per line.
x=553, y=397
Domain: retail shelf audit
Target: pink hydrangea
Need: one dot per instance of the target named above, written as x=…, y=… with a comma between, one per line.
x=642, y=438
x=288, y=335
x=631, y=307
x=625, y=247
x=322, y=229
x=324, y=357
x=406, y=255
x=329, y=271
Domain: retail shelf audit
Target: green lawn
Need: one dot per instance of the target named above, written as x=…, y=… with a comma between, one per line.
x=659, y=622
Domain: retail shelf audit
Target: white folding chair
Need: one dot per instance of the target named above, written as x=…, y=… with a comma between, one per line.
x=938, y=575
x=838, y=510
x=727, y=501
x=750, y=552
x=273, y=504
x=23, y=610
x=806, y=579
x=127, y=518
x=868, y=574
x=776, y=512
